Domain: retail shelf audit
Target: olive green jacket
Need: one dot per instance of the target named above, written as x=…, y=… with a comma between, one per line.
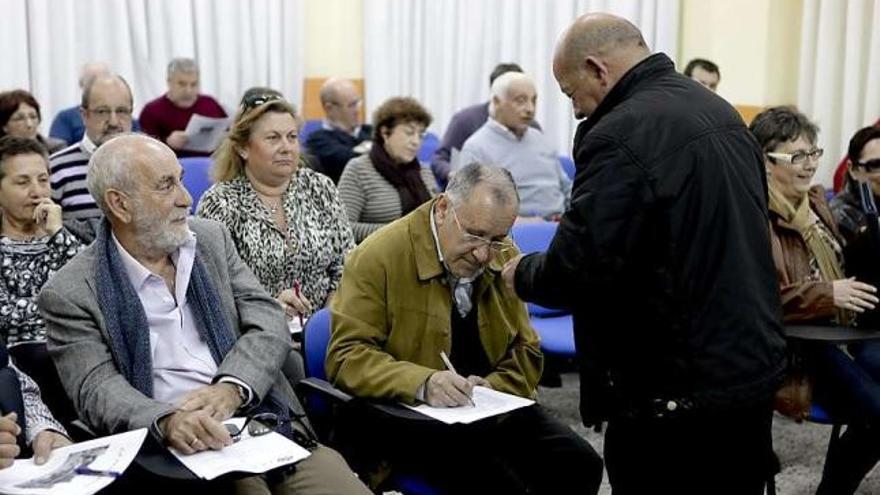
x=391, y=318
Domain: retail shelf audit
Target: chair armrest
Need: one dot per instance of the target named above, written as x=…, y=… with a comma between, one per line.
x=392, y=409
x=79, y=431
x=323, y=387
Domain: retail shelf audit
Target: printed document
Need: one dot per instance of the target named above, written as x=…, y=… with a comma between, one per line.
x=487, y=403
x=204, y=133
x=251, y=454
x=104, y=458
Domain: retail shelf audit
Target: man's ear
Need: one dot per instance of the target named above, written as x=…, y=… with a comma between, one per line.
x=597, y=68
x=119, y=204
x=441, y=208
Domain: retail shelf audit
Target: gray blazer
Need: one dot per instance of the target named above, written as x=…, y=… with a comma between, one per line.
x=79, y=345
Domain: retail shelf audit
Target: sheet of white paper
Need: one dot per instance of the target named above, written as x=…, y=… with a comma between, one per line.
x=58, y=477
x=250, y=454
x=487, y=403
x=204, y=133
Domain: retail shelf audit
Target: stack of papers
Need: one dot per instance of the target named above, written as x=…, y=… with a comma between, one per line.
x=205, y=133
x=487, y=403
x=58, y=476
x=250, y=454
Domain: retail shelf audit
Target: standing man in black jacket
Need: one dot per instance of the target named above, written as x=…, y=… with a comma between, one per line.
x=664, y=259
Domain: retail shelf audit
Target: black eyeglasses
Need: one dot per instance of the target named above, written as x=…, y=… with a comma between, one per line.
x=256, y=425
x=870, y=165
x=253, y=101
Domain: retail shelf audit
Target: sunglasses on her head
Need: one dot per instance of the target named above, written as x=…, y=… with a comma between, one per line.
x=254, y=101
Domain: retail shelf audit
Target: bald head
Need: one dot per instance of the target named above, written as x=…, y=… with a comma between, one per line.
x=341, y=102
x=592, y=55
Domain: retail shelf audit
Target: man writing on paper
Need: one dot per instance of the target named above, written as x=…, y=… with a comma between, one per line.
x=428, y=284
x=159, y=324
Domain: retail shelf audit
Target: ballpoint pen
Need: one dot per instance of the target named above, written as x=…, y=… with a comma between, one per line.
x=298, y=293
x=451, y=368
x=96, y=472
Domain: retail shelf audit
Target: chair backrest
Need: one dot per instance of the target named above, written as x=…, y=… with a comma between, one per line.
x=309, y=127
x=196, y=176
x=429, y=145
x=316, y=338
x=535, y=237
x=567, y=166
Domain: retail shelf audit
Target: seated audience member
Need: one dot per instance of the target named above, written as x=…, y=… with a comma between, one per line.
x=863, y=159
x=430, y=283
x=806, y=247
x=704, y=72
x=507, y=140
x=20, y=117
x=389, y=182
x=841, y=172
x=464, y=123
x=285, y=219
x=68, y=124
x=33, y=245
x=158, y=324
x=106, y=110
x=42, y=432
x=342, y=136
x=166, y=117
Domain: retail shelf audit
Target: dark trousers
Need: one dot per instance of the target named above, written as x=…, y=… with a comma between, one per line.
x=34, y=360
x=849, y=387
x=525, y=451
x=719, y=452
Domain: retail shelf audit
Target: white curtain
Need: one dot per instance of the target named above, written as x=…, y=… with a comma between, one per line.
x=839, y=72
x=441, y=52
x=237, y=43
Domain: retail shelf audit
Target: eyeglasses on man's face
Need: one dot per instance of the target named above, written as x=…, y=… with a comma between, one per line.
x=478, y=241
x=798, y=157
x=257, y=100
x=105, y=113
x=256, y=425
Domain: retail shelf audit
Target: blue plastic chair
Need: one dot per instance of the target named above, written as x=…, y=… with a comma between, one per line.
x=567, y=166
x=316, y=339
x=309, y=127
x=554, y=326
x=430, y=143
x=196, y=176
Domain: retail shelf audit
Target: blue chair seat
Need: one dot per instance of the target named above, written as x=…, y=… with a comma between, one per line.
x=557, y=334
x=818, y=414
x=196, y=176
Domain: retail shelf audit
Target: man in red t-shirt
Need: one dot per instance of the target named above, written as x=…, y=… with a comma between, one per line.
x=166, y=117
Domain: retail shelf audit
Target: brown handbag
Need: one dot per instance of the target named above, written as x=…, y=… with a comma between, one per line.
x=793, y=399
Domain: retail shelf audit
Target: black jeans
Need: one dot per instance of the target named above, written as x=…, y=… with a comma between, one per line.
x=524, y=451
x=721, y=452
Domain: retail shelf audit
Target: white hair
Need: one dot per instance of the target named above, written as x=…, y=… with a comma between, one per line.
x=112, y=167
x=182, y=65
x=501, y=87
x=498, y=180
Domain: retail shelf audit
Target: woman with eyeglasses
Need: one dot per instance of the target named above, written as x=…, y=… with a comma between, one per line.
x=808, y=253
x=20, y=117
x=286, y=219
x=388, y=182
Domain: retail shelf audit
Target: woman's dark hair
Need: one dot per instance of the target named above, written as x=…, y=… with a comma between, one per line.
x=858, y=142
x=780, y=125
x=397, y=111
x=11, y=146
x=9, y=102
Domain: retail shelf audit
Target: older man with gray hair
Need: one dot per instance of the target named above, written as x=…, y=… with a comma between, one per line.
x=430, y=284
x=160, y=325
x=507, y=140
x=342, y=135
x=166, y=117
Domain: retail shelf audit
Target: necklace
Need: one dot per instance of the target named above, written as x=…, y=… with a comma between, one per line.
x=271, y=204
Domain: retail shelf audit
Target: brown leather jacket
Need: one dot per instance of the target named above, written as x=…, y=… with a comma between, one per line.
x=803, y=299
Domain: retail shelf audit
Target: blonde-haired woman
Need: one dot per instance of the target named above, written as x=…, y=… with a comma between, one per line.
x=286, y=220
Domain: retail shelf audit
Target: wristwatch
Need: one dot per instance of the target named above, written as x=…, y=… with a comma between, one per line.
x=242, y=393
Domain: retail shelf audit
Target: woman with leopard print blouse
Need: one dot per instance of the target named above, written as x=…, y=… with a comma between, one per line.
x=286, y=220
